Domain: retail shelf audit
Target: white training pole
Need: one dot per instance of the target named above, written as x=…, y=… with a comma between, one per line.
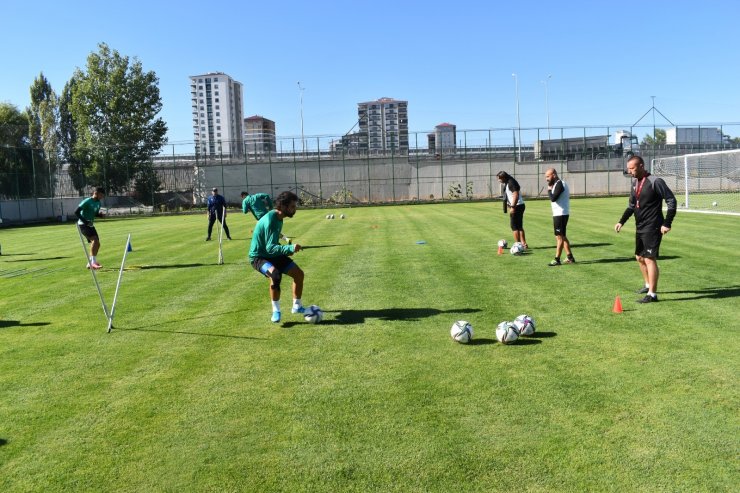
x=220, y=237
x=118, y=284
x=92, y=271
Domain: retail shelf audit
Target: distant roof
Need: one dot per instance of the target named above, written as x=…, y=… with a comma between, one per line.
x=446, y=125
x=385, y=100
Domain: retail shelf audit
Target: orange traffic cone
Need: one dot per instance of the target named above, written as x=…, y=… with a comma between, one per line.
x=617, y=305
x=500, y=249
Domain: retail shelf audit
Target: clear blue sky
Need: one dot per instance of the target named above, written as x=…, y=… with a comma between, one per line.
x=452, y=60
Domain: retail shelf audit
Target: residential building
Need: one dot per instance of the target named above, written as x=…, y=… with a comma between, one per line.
x=445, y=137
x=384, y=126
x=217, y=102
x=259, y=135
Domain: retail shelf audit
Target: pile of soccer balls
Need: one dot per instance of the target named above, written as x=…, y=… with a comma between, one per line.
x=506, y=332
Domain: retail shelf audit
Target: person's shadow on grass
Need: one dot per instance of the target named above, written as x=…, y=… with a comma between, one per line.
x=710, y=293
x=354, y=317
x=16, y=323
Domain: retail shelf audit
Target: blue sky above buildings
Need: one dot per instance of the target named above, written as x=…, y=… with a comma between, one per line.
x=453, y=61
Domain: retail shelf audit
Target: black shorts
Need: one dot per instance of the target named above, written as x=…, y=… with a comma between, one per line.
x=516, y=220
x=647, y=243
x=560, y=225
x=282, y=264
x=89, y=232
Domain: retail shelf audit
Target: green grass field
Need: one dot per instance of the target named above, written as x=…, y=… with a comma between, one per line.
x=195, y=390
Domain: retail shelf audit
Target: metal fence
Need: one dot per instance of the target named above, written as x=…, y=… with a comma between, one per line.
x=325, y=172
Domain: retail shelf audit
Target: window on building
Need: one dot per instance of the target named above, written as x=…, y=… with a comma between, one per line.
x=217, y=100
x=218, y=127
x=218, y=135
x=218, y=113
x=218, y=120
x=217, y=107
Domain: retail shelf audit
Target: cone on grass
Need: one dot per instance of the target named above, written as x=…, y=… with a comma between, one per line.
x=617, y=305
x=130, y=248
x=500, y=249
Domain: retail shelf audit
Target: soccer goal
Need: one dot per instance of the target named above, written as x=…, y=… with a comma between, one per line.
x=704, y=182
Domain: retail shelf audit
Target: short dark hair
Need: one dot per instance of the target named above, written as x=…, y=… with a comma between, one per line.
x=100, y=190
x=244, y=194
x=638, y=159
x=285, y=199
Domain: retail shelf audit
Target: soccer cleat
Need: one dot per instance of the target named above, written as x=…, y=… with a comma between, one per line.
x=570, y=260
x=554, y=263
x=648, y=299
x=208, y=239
x=298, y=309
x=275, y=317
x=642, y=291
x=94, y=265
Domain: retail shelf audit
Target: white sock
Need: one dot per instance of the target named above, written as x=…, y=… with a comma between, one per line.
x=276, y=306
x=651, y=294
x=297, y=302
x=92, y=259
x=647, y=285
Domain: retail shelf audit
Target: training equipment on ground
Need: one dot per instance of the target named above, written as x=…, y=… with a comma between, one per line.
x=313, y=314
x=332, y=216
x=517, y=248
x=341, y=216
x=617, y=307
x=525, y=325
x=506, y=332
x=702, y=182
x=503, y=244
x=462, y=331
x=220, y=238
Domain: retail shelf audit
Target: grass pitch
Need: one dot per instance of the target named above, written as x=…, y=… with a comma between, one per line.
x=195, y=390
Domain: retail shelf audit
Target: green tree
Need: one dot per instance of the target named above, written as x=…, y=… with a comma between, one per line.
x=43, y=122
x=114, y=106
x=68, y=139
x=16, y=161
x=660, y=138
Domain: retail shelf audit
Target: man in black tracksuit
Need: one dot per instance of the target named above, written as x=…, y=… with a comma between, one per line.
x=646, y=203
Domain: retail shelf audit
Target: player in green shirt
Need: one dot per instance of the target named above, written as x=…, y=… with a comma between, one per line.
x=86, y=213
x=259, y=204
x=272, y=259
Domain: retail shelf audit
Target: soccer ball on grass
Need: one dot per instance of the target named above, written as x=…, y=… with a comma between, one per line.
x=517, y=248
x=462, y=331
x=525, y=325
x=507, y=332
x=313, y=314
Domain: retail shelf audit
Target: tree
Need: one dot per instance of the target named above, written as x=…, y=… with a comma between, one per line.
x=43, y=122
x=660, y=138
x=68, y=139
x=114, y=106
x=16, y=162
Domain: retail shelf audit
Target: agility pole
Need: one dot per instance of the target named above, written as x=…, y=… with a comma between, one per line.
x=220, y=237
x=92, y=271
x=118, y=284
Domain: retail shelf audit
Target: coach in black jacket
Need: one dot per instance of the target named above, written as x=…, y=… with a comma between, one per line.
x=646, y=203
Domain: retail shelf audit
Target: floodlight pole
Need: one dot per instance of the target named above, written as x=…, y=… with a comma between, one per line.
x=518, y=121
x=303, y=140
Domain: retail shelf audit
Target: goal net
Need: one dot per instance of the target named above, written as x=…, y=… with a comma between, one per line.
x=708, y=182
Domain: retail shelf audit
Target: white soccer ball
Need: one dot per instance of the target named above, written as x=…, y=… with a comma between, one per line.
x=714, y=204
x=517, y=248
x=503, y=244
x=525, y=325
x=313, y=314
x=462, y=331
x=328, y=216
x=341, y=217
x=331, y=216
x=506, y=332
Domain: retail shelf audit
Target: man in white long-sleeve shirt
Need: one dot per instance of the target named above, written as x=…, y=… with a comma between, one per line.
x=559, y=195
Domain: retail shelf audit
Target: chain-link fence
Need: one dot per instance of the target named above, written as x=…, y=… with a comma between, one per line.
x=330, y=170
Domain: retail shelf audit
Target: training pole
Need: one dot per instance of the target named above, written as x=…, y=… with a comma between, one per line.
x=118, y=284
x=92, y=271
x=220, y=237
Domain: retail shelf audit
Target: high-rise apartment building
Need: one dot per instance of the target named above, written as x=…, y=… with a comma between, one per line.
x=384, y=126
x=259, y=135
x=218, y=114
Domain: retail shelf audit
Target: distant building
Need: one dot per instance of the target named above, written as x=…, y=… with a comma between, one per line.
x=259, y=135
x=693, y=135
x=384, y=126
x=445, y=138
x=432, y=143
x=217, y=102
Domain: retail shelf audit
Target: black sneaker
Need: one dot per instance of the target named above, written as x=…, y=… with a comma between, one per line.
x=554, y=262
x=642, y=291
x=570, y=260
x=208, y=239
x=649, y=299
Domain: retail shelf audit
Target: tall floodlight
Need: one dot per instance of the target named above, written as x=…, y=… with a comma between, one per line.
x=518, y=122
x=547, y=106
x=303, y=139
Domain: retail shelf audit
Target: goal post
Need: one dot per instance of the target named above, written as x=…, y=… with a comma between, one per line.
x=703, y=182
